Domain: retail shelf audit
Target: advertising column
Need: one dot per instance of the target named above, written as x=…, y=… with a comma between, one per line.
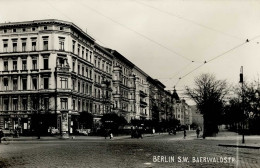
x=64, y=125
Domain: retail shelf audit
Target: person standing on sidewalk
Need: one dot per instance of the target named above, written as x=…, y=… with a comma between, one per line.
x=184, y=134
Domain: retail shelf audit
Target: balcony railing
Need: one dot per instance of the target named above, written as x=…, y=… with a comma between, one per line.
x=143, y=104
x=143, y=94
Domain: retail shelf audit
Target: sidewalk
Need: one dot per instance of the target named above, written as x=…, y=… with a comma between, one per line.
x=74, y=137
x=232, y=139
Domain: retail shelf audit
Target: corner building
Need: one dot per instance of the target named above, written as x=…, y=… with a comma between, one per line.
x=50, y=67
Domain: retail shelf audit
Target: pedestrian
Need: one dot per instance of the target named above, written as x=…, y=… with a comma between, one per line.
x=1, y=135
x=198, y=132
x=111, y=135
x=184, y=132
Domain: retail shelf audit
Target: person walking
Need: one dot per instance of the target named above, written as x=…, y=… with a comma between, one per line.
x=184, y=134
x=198, y=132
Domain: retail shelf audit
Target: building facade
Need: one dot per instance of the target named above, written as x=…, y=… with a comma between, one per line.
x=51, y=72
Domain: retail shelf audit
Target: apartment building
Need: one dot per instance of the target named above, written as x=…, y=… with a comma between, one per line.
x=141, y=94
x=51, y=72
x=50, y=66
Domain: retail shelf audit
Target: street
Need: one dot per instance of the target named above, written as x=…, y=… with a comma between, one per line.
x=152, y=151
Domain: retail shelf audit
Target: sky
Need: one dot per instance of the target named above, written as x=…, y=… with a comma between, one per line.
x=171, y=40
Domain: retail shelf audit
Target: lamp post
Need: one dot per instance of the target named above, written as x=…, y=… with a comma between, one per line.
x=242, y=84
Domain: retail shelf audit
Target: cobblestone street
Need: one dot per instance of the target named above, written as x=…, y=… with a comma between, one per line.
x=155, y=151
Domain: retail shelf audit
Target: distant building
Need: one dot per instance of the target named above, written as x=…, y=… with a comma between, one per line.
x=197, y=118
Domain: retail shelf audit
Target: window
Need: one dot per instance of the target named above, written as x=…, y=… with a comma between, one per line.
x=78, y=68
x=83, y=87
x=83, y=54
x=90, y=74
x=73, y=104
x=61, y=44
x=6, y=104
x=24, y=83
x=87, y=89
x=34, y=64
x=24, y=29
x=45, y=45
x=61, y=62
x=78, y=86
x=73, y=84
x=73, y=46
x=64, y=103
x=79, y=105
x=83, y=70
x=46, y=103
x=5, y=65
x=24, y=64
x=15, y=47
x=64, y=83
x=90, y=90
x=46, y=83
x=90, y=57
x=34, y=46
x=5, y=31
x=5, y=83
x=61, y=28
x=78, y=49
x=23, y=46
x=45, y=28
x=87, y=55
x=87, y=72
x=15, y=104
x=14, y=30
x=73, y=66
x=24, y=103
x=33, y=29
x=45, y=63
x=5, y=47
x=34, y=83
x=15, y=86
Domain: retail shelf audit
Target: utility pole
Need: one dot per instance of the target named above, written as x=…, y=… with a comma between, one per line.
x=243, y=107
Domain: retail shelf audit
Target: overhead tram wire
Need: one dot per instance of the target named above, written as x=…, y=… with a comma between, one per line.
x=136, y=32
x=214, y=58
x=188, y=20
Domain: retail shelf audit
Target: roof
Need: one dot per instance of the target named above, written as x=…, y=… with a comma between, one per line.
x=47, y=21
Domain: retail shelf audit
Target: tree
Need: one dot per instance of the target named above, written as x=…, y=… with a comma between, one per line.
x=208, y=95
x=86, y=120
x=112, y=121
x=245, y=108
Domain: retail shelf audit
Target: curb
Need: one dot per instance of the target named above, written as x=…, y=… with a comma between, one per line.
x=240, y=146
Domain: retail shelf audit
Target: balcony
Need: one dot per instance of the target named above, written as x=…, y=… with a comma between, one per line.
x=62, y=68
x=143, y=94
x=143, y=104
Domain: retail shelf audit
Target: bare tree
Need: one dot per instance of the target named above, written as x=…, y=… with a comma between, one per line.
x=209, y=94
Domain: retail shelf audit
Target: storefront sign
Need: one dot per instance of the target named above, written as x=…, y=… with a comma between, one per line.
x=19, y=116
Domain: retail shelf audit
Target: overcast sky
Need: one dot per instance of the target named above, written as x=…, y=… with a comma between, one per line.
x=165, y=38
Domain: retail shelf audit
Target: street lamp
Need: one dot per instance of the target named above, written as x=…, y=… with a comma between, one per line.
x=242, y=83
